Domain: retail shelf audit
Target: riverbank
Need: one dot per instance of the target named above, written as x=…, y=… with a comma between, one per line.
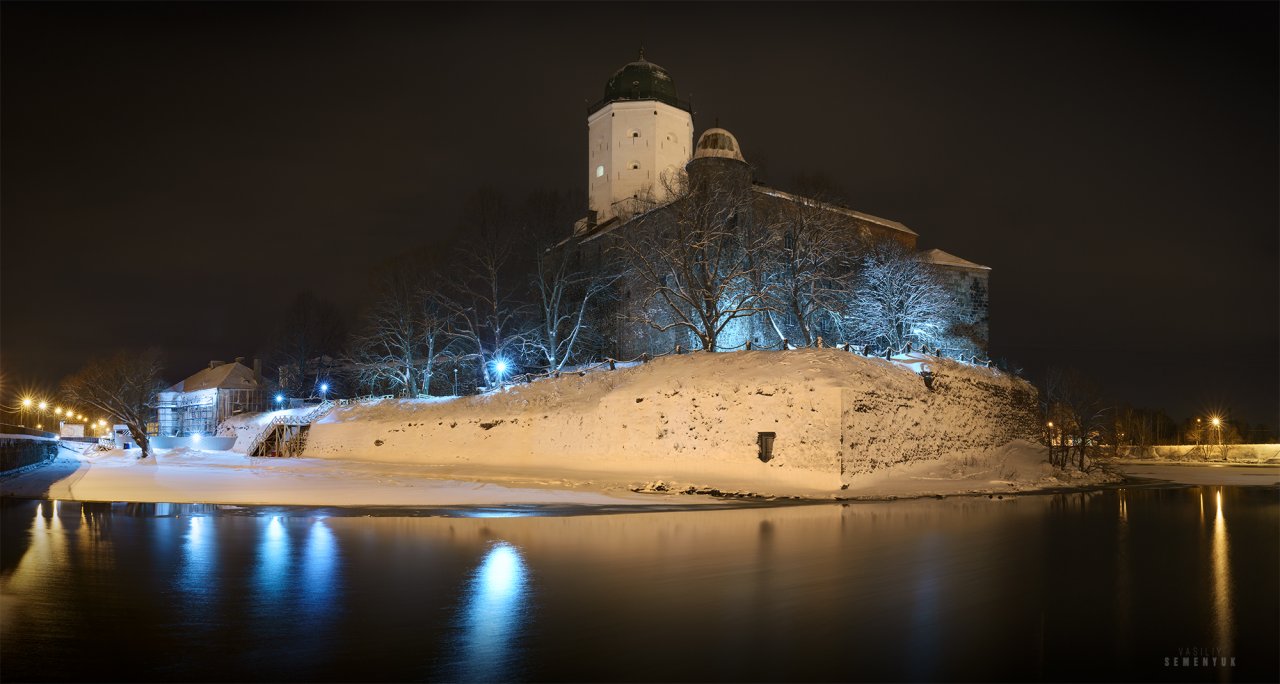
x=1204, y=474
x=775, y=423
x=224, y=477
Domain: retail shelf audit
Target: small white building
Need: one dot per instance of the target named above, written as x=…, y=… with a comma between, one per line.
x=198, y=404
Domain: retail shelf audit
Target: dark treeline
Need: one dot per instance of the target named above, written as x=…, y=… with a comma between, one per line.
x=503, y=297
x=1082, y=424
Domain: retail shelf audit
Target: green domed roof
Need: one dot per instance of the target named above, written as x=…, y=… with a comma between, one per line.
x=641, y=80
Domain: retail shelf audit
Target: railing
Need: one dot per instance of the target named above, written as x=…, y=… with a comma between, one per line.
x=290, y=419
x=8, y=429
x=953, y=354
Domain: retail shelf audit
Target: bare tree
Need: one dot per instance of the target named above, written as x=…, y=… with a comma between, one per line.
x=123, y=386
x=810, y=272
x=487, y=313
x=403, y=333
x=564, y=289
x=897, y=299
x=696, y=264
x=309, y=329
x=1078, y=413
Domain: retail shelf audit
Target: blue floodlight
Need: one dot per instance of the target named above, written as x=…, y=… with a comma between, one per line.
x=279, y=398
x=324, y=387
x=500, y=366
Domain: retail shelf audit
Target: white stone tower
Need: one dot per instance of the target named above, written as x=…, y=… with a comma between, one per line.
x=639, y=131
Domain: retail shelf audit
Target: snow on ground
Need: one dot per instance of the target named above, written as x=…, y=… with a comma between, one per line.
x=694, y=419
x=1018, y=466
x=1203, y=453
x=845, y=426
x=190, y=476
x=1204, y=474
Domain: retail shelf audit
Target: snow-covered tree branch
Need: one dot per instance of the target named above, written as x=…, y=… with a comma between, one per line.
x=123, y=386
x=696, y=264
x=897, y=299
x=811, y=271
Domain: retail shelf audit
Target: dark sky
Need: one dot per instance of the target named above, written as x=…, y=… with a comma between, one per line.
x=171, y=173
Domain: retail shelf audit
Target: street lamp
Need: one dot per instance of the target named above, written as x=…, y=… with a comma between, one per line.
x=324, y=388
x=500, y=369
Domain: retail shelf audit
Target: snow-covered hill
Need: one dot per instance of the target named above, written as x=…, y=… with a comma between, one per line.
x=694, y=418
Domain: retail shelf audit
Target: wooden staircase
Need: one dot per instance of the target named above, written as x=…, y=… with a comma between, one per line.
x=287, y=435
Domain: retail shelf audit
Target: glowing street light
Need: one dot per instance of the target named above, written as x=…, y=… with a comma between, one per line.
x=279, y=398
x=43, y=405
x=324, y=388
x=57, y=410
x=1217, y=422
x=500, y=369
x=26, y=402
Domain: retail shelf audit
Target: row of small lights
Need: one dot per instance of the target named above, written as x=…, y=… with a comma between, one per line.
x=1217, y=422
x=28, y=402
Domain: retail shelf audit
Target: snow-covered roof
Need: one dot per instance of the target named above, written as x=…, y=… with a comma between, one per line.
x=937, y=256
x=774, y=192
x=717, y=142
x=225, y=376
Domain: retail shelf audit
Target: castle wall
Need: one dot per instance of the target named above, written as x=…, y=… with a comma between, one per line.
x=970, y=290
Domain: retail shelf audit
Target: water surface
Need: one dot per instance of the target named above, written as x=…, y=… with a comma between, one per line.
x=1104, y=585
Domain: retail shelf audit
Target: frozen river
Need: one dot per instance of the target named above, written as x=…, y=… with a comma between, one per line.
x=1106, y=585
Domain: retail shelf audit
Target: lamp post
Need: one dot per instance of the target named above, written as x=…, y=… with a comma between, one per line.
x=324, y=389
x=455, y=382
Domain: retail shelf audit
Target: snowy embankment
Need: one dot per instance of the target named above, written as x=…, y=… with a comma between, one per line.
x=1242, y=454
x=84, y=473
x=845, y=426
x=840, y=420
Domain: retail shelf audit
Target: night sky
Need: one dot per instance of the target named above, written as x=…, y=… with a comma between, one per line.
x=173, y=173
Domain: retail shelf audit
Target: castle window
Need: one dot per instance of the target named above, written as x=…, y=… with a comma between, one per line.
x=600, y=171
x=633, y=165
x=633, y=133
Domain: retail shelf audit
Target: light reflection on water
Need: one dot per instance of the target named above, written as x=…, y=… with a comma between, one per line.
x=935, y=590
x=1222, y=608
x=197, y=580
x=492, y=617
x=273, y=571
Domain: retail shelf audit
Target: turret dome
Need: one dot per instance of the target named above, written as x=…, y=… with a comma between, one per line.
x=641, y=80
x=717, y=142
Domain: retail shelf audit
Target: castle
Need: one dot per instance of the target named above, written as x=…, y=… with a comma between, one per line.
x=640, y=137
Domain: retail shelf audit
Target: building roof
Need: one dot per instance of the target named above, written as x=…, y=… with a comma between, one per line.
x=640, y=80
x=941, y=258
x=224, y=376
x=774, y=192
